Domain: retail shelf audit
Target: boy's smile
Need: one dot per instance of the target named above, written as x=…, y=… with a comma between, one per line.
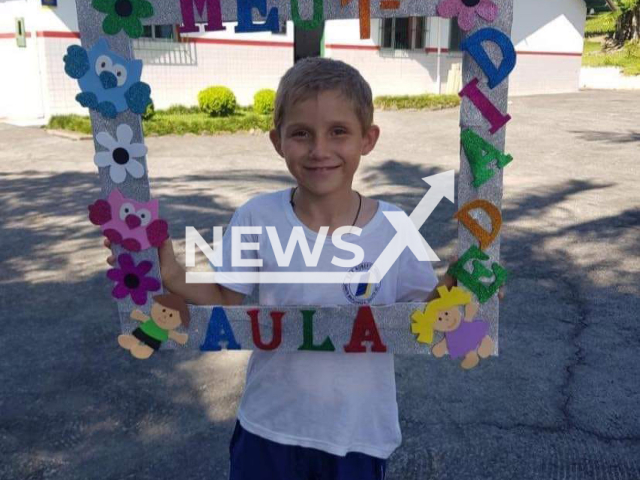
x=321, y=140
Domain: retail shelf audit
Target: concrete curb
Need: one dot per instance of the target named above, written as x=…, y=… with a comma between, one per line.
x=68, y=134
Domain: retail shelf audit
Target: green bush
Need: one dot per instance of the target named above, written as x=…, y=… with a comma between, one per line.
x=217, y=101
x=427, y=101
x=149, y=112
x=264, y=101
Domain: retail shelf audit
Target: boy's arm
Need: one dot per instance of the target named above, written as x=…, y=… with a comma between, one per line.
x=174, y=279
x=199, y=293
x=447, y=280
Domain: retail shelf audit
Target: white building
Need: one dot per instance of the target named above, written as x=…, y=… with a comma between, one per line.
x=404, y=56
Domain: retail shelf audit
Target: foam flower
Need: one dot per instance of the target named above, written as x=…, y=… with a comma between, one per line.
x=123, y=15
x=131, y=279
x=466, y=11
x=121, y=154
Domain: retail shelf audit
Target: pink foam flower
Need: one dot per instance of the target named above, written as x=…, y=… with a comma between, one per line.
x=466, y=11
x=131, y=279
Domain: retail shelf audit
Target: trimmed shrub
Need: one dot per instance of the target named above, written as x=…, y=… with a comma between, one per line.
x=264, y=101
x=217, y=101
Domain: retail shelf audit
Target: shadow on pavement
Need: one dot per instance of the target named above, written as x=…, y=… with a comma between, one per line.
x=560, y=402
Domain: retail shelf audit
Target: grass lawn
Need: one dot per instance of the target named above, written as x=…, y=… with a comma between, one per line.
x=178, y=121
x=602, y=24
x=427, y=101
x=627, y=58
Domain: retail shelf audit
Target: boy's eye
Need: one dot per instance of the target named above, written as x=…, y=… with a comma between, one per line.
x=299, y=133
x=339, y=131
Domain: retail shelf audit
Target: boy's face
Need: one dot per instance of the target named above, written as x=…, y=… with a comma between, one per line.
x=321, y=140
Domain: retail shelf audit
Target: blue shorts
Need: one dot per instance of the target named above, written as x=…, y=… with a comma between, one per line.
x=256, y=458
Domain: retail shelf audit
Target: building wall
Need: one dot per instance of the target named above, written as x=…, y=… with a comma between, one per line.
x=549, y=43
x=21, y=88
x=393, y=72
x=245, y=63
x=548, y=40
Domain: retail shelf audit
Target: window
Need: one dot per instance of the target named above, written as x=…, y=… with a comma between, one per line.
x=455, y=36
x=419, y=32
x=403, y=33
x=159, y=32
x=163, y=45
x=21, y=34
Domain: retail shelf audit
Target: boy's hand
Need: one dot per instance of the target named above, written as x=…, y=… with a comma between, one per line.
x=169, y=266
x=450, y=281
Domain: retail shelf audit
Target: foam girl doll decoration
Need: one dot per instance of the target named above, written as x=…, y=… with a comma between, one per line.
x=463, y=336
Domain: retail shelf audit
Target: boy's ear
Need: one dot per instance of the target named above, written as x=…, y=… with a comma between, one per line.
x=274, y=136
x=370, y=139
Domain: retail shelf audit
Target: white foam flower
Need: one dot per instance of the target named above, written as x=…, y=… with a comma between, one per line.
x=121, y=154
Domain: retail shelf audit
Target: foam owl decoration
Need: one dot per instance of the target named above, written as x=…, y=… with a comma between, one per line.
x=110, y=83
x=134, y=225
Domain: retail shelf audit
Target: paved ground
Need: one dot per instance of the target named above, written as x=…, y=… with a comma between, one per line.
x=561, y=402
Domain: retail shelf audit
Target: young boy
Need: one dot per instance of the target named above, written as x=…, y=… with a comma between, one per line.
x=315, y=415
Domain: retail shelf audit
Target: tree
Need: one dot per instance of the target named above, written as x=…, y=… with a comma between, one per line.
x=628, y=23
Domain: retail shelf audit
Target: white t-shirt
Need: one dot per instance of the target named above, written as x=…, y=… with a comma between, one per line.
x=335, y=402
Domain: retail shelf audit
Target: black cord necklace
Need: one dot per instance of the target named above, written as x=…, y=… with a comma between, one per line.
x=293, y=205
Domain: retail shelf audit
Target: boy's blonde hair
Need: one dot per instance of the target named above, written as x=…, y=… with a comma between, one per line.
x=310, y=76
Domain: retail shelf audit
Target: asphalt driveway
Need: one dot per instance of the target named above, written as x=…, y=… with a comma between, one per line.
x=561, y=401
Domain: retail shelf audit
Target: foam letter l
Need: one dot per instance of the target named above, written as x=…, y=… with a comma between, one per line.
x=307, y=335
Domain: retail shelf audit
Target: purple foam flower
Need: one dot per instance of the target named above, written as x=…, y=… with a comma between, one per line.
x=131, y=280
x=466, y=11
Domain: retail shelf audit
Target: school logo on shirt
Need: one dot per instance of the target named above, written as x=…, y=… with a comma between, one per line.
x=360, y=293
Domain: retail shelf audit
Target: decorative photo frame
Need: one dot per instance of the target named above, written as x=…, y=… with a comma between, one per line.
x=109, y=79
